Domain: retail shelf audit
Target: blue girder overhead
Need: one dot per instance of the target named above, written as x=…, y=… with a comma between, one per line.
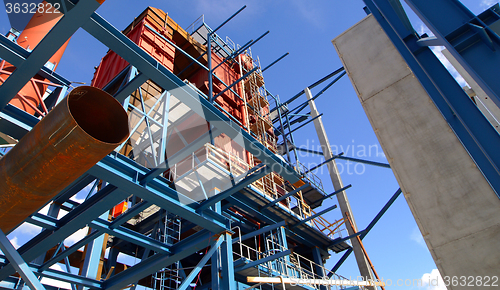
x=468, y=37
x=475, y=132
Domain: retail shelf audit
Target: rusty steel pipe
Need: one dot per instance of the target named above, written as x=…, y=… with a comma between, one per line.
x=81, y=130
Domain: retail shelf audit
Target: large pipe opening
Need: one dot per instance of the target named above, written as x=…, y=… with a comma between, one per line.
x=98, y=114
x=81, y=130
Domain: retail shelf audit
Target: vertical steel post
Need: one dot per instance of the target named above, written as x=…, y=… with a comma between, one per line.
x=319, y=267
x=227, y=273
x=215, y=260
x=209, y=64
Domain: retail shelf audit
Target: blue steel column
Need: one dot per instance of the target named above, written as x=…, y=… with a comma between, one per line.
x=318, y=268
x=209, y=64
x=284, y=243
x=93, y=254
x=475, y=132
x=215, y=259
x=470, y=40
x=227, y=274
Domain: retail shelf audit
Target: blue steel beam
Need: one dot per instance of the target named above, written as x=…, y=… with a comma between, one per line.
x=305, y=104
x=18, y=263
x=260, y=231
x=56, y=275
x=121, y=172
x=311, y=87
x=275, y=62
x=340, y=240
x=128, y=50
x=64, y=254
x=302, y=125
x=285, y=196
x=379, y=164
x=460, y=31
x=76, y=219
x=324, y=162
x=236, y=82
x=130, y=87
x=330, y=195
x=227, y=20
x=314, y=216
x=367, y=230
x=70, y=278
x=16, y=122
x=56, y=37
x=130, y=236
x=264, y=260
x=266, y=216
x=244, y=206
x=226, y=258
x=194, y=272
x=235, y=188
x=180, y=250
x=12, y=52
x=470, y=126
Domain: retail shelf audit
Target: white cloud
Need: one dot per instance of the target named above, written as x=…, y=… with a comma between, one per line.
x=485, y=4
x=27, y=228
x=15, y=242
x=433, y=281
x=416, y=236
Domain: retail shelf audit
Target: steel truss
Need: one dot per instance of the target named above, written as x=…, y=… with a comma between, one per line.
x=116, y=178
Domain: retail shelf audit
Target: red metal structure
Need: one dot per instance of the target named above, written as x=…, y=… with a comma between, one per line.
x=30, y=98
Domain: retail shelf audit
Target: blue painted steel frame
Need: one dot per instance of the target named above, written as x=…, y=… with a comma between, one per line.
x=61, y=32
x=364, y=232
x=124, y=175
x=127, y=49
x=477, y=135
x=467, y=37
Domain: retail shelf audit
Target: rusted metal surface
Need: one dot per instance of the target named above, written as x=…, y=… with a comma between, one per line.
x=83, y=128
x=30, y=96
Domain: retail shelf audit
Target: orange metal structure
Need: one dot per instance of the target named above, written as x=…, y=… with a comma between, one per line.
x=31, y=96
x=83, y=128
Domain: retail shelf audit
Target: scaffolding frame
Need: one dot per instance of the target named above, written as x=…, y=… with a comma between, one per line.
x=142, y=187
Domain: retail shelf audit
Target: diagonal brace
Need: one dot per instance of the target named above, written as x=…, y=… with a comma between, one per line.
x=19, y=264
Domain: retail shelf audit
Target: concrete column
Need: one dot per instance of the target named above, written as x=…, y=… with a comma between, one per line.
x=363, y=265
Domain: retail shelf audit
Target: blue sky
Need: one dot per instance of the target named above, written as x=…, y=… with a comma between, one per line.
x=305, y=30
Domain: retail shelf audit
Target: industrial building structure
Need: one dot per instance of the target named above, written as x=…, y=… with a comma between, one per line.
x=204, y=188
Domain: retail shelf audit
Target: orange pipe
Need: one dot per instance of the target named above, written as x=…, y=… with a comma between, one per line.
x=31, y=94
x=81, y=130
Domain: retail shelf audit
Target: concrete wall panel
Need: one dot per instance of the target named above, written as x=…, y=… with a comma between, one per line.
x=455, y=208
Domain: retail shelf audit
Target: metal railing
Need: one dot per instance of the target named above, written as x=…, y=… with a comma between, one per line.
x=290, y=266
